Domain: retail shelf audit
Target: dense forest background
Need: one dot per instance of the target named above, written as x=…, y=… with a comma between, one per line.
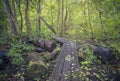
x=96, y=22
x=78, y=19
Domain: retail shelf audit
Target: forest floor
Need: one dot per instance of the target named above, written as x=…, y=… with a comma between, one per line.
x=39, y=66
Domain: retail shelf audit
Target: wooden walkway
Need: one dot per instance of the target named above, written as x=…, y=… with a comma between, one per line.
x=67, y=65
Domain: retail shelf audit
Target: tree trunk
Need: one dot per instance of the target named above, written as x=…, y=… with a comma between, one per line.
x=13, y=7
x=100, y=17
x=62, y=21
x=13, y=25
x=85, y=32
x=66, y=19
x=27, y=22
x=91, y=31
x=58, y=17
x=50, y=27
x=21, y=17
x=39, y=11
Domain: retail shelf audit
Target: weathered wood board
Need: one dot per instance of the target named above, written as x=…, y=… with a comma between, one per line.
x=67, y=65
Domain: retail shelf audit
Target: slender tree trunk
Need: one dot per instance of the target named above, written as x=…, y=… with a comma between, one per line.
x=85, y=32
x=13, y=6
x=13, y=25
x=100, y=17
x=58, y=17
x=66, y=18
x=51, y=17
x=62, y=21
x=39, y=11
x=27, y=22
x=50, y=27
x=92, y=37
x=21, y=17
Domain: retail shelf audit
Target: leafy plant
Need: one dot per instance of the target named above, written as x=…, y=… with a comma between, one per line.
x=17, y=47
x=87, y=53
x=37, y=79
x=16, y=56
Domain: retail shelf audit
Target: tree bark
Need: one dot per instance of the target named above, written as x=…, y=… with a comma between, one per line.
x=21, y=17
x=13, y=25
x=85, y=32
x=91, y=30
x=27, y=22
x=39, y=11
x=66, y=18
x=14, y=11
x=100, y=17
x=62, y=21
x=58, y=17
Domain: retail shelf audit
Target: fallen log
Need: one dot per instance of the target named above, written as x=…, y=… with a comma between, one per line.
x=67, y=65
x=45, y=44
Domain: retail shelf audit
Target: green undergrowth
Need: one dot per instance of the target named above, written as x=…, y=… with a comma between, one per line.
x=91, y=68
x=16, y=50
x=4, y=39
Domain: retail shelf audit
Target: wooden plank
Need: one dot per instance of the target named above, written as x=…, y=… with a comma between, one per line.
x=56, y=74
x=67, y=65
